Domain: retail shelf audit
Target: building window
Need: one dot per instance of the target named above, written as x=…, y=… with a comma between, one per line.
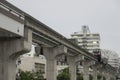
x=40, y=67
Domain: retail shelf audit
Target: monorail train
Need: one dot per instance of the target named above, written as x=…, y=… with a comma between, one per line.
x=98, y=54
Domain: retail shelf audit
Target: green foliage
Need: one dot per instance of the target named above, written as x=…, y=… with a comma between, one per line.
x=79, y=76
x=112, y=78
x=104, y=78
x=90, y=77
x=65, y=70
x=99, y=77
x=64, y=75
x=27, y=75
x=38, y=75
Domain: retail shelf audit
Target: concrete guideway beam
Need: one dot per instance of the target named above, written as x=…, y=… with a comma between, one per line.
x=58, y=50
x=61, y=50
x=9, y=51
x=79, y=58
x=11, y=23
x=52, y=35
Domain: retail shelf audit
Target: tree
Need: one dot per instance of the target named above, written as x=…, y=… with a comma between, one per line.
x=64, y=75
x=99, y=77
x=112, y=78
x=38, y=75
x=79, y=76
x=27, y=75
x=104, y=78
x=90, y=77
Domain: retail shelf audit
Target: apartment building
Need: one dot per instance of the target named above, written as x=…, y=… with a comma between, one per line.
x=86, y=39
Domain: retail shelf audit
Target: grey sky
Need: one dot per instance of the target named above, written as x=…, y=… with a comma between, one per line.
x=67, y=16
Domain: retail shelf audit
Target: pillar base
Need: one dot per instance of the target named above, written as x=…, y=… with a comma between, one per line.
x=7, y=70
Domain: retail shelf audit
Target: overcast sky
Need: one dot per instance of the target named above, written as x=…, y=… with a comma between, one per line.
x=67, y=16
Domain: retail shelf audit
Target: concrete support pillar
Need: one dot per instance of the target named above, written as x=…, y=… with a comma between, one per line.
x=51, y=68
x=101, y=73
x=51, y=54
x=7, y=69
x=10, y=49
x=94, y=72
x=114, y=74
x=113, y=77
x=107, y=76
x=86, y=70
x=110, y=76
x=72, y=67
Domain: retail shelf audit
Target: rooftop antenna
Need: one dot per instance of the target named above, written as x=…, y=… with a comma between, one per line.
x=85, y=29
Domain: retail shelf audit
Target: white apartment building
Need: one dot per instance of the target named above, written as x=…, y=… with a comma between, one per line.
x=29, y=62
x=33, y=64
x=86, y=39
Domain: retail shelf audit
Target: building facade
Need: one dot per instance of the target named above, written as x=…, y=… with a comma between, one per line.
x=33, y=64
x=30, y=62
x=86, y=39
x=112, y=56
